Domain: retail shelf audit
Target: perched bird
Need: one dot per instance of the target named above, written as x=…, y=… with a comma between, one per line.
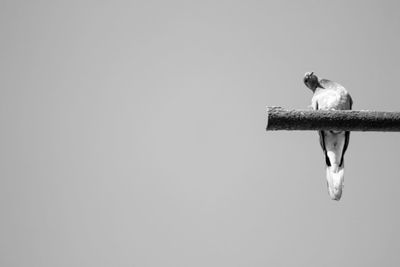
x=329, y=95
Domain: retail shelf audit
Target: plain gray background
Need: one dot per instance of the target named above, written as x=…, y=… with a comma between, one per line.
x=133, y=134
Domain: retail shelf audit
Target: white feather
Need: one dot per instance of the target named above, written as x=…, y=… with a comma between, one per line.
x=335, y=181
x=334, y=144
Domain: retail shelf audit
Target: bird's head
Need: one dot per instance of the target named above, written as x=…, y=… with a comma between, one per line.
x=311, y=81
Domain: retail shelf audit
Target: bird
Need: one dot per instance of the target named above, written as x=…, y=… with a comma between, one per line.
x=329, y=95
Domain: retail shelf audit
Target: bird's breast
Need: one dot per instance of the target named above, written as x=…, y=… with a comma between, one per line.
x=332, y=99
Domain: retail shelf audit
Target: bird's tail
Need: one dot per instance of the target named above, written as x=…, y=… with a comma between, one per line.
x=335, y=179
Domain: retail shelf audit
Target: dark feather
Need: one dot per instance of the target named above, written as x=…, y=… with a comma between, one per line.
x=346, y=136
x=346, y=144
x=322, y=142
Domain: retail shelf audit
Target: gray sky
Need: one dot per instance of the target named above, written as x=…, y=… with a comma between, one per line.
x=133, y=134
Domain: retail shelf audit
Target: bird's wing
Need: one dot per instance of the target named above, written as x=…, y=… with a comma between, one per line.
x=328, y=84
x=321, y=134
x=347, y=133
x=322, y=143
x=346, y=144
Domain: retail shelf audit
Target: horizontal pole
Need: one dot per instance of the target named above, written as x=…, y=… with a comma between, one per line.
x=334, y=120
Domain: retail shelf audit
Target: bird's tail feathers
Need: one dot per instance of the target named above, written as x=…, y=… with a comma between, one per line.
x=335, y=179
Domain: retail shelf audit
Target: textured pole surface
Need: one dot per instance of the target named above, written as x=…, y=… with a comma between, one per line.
x=336, y=120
